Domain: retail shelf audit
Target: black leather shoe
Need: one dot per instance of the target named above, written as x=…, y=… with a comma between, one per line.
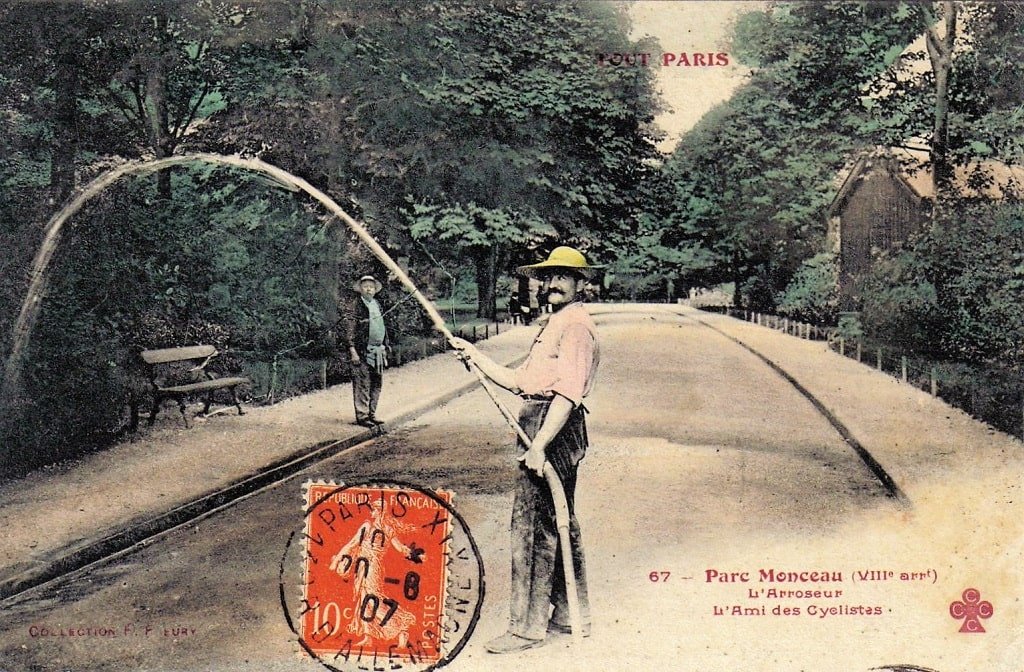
x=366, y=422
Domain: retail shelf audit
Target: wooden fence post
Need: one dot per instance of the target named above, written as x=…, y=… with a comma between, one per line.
x=903, y=367
x=879, y=359
x=935, y=383
x=323, y=374
x=842, y=346
x=858, y=350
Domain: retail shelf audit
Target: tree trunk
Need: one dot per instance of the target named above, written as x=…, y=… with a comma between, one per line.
x=157, y=119
x=65, y=125
x=940, y=54
x=485, y=259
x=737, y=295
x=330, y=273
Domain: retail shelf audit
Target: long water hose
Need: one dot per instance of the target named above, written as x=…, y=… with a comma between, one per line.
x=52, y=233
x=554, y=482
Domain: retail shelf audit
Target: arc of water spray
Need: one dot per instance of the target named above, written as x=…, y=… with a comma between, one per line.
x=33, y=301
x=54, y=228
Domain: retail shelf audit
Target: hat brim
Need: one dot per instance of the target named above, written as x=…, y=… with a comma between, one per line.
x=357, y=285
x=547, y=267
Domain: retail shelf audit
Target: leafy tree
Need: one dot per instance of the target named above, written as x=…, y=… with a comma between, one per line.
x=828, y=79
x=224, y=260
x=818, y=57
x=227, y=261
x=491, y=126
x=751, y=181
x=954, y=97
x=954, y=292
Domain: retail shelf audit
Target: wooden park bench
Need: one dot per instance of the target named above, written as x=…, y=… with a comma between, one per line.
x=177, y=373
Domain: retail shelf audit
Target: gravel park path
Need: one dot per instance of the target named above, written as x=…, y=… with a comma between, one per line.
x=710, y=476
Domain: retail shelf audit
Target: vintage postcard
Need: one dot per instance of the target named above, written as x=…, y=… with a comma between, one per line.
x=678, y=335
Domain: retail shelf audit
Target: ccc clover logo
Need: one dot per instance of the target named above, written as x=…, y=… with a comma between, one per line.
x=972, y=609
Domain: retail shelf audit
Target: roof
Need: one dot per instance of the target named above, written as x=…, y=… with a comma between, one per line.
x=866, y=163
x=986, y=179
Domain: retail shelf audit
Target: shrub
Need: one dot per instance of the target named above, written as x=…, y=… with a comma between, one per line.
x=813, y=294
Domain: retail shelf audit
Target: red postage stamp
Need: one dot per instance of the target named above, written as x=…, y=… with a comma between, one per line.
x=376, y=573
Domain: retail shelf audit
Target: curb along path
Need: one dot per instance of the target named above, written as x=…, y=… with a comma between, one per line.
x=60, y=519
x=920, y=441
x=877, y=469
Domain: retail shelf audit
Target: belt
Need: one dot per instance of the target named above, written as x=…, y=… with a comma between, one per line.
x=541, y=397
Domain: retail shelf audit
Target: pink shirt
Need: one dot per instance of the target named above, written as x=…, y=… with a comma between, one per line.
x=564, y=357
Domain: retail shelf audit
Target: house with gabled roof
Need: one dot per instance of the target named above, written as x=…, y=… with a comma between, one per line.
x=887, y=195
x=875, y=209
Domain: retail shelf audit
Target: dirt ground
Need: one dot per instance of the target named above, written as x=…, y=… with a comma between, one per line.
x=702, y=459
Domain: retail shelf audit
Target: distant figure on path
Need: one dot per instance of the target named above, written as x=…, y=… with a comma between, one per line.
x=365, y=337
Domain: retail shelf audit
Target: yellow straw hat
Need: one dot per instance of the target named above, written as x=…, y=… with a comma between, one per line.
x=566, y=258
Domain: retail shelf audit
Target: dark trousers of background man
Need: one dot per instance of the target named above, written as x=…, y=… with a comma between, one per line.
x=366, y=384
x=537, y=577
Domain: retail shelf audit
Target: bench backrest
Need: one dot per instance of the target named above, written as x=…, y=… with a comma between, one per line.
x=178, y=354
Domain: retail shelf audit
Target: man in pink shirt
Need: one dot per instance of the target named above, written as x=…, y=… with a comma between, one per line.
x=553, y=381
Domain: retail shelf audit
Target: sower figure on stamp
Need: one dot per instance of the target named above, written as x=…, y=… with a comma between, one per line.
x=553, y=381
x=364, y=339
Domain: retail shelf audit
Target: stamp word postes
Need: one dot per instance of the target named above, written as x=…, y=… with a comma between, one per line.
x=389, y=576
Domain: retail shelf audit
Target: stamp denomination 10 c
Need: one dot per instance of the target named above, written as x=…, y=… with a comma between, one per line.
x=389, y=576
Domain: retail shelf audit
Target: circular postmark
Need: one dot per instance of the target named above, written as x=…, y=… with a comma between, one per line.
x=381, y=575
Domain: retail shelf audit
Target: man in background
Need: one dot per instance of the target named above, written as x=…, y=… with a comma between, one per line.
x=364, y=339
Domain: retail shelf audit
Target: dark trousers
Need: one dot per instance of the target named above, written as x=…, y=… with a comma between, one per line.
x=538, y=581
x=366, y=384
